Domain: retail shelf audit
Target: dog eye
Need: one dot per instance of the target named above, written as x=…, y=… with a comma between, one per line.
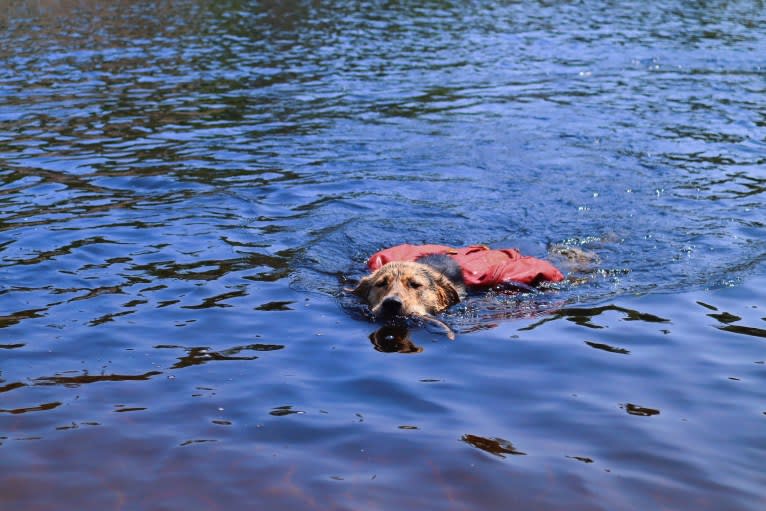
x=415, y=284
x=381, y=283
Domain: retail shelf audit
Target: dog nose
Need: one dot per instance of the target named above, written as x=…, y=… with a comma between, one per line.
x=392, y=305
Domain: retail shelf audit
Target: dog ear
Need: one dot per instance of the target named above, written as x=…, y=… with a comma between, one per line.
x=448, y=295
x=362, y=289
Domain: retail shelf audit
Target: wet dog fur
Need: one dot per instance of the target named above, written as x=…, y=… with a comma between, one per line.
x=421, y=289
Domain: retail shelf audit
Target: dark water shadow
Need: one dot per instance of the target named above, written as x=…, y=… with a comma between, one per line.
x=40, y=408
x=496, y=446
x=93, y=378
x=203, y=354
x=583, y=316
x=727, y=319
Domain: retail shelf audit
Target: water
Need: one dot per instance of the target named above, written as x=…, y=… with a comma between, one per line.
x=187, y=187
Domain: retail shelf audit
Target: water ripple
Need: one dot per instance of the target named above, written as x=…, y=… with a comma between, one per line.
x=186, y=187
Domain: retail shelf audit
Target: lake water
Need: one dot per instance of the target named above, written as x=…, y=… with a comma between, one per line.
x=186, y=188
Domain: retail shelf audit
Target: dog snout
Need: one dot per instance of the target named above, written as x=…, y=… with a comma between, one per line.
x=392, y=305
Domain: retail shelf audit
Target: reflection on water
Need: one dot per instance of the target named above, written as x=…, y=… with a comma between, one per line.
x=186, y=187
x=640, y=410
x=584, y=316
x=607, y=347
x=390, y=339
x=92, y=378
x=202, y=355
x=496, y=446
x=727, y=319
x=40, y=408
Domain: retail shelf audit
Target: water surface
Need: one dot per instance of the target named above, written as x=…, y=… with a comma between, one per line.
x=186, y=187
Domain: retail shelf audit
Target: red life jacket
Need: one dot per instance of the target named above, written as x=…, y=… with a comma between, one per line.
x=481, y=265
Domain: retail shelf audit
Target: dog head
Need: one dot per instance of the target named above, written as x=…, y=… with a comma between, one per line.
x=407, y=289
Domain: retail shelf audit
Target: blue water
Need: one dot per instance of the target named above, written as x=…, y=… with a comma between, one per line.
x=186, y=189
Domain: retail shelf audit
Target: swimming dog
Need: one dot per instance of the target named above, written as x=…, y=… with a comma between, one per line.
x=420, y=289
x=406, y=284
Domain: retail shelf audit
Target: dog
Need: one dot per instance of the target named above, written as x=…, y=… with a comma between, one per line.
x=433, y=283
x=419, y=289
